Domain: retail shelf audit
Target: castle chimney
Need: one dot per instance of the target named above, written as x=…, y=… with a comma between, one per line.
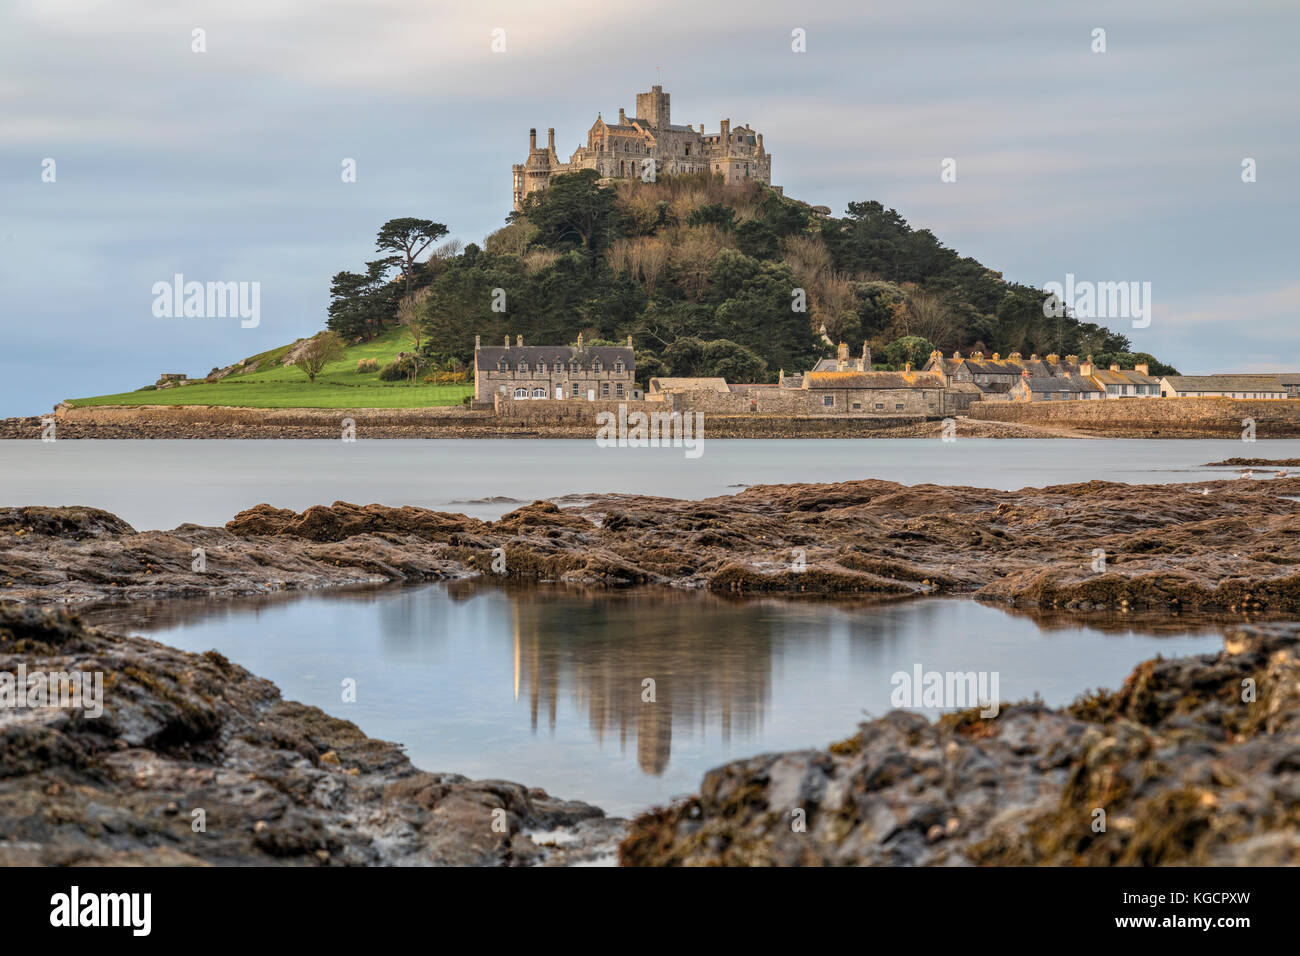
x=519, y=341
x=550, y=139
x=622, y=117
x=701, y=129
x=726, y=131
x=532, y=139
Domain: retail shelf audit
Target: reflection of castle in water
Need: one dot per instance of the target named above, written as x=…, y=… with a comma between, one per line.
x=711, y=670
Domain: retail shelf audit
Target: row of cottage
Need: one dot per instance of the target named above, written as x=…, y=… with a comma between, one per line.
x=843, y=385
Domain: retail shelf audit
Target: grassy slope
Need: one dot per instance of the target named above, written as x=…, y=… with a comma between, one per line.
x=274, y=386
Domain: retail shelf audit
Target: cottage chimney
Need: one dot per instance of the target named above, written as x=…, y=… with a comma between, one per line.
x=629, y=341
x=866, y=357
x=476, y=343
x=1013, y=356
x=1114, y=366
x=956, y=356
x=519, y=341
x=907, y=367
x=977, y=356
x=1033, y=357
x=1142, y=369
x=579, y=341
x=1072, y=360
x=1086, y=368
x=550, y=139
x=997, y=357
x=507, y=341
x=532, y=140
x=1053, y=359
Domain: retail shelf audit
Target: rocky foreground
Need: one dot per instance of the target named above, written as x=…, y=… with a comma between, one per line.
x=1193, y=761
x=187, y=739
x=1218, y=545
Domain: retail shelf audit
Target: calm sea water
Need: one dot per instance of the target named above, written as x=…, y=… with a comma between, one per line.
x=160, y=484
x=545, y=685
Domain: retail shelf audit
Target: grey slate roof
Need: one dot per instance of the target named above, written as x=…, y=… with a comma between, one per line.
x=1225, y=383
x=489, y=357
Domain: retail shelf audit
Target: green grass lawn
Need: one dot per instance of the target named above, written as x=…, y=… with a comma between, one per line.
x=339, y=385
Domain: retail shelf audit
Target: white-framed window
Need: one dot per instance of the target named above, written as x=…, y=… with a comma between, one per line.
x=521, y=393
x=618, y=367
x=539, y=393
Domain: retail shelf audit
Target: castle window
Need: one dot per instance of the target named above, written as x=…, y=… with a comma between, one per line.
x=539, y=393
x=521, y=393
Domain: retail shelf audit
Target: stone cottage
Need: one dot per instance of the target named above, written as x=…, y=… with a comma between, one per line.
x=552, y=371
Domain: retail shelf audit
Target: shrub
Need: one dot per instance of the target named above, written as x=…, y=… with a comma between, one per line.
x=392, y=372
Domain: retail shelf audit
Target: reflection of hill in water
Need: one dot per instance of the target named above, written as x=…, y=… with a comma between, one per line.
x=711, y=666
x=712, y=657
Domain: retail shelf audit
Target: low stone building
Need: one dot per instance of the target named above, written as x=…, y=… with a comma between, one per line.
x=1116, y=382
x=1055, y=388
x=601, y=372
x=1222, y=386
x=668, y=385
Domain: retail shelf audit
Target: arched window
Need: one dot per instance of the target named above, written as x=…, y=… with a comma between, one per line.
x=539, y=393
x=521, y=393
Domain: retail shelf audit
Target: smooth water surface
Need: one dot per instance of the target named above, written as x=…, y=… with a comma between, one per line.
x=161, y=484
x=545, y=686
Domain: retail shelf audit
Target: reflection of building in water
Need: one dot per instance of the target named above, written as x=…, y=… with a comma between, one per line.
x=711, y=667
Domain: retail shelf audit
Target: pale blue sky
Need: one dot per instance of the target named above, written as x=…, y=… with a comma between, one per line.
x=1123, y=165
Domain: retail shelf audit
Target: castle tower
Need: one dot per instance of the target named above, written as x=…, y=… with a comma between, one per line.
x=653, y=107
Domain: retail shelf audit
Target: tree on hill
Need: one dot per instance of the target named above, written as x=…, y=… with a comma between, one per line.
x=313, y=354
x=362, y=303
x=408, y=238
x=573, y=210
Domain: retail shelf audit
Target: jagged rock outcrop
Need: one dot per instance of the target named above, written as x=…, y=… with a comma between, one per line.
x=276, y=782
x=1221, y=545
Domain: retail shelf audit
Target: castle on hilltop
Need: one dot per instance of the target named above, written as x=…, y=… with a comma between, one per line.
x=625, y=149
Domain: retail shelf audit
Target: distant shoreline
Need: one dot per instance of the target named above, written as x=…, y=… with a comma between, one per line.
x=1125, y=418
